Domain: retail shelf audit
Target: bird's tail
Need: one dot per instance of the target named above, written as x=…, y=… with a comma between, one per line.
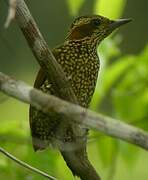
x=79, y=164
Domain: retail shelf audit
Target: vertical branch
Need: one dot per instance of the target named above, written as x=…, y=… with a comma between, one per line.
x=44, y=56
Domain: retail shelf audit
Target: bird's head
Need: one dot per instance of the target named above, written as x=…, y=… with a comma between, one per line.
x=94, y=28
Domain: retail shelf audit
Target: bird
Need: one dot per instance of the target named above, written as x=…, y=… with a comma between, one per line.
x=79, y=59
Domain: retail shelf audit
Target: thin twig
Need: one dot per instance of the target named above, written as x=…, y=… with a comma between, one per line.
x=90, y=119
x=26, y=165
x=11, y=12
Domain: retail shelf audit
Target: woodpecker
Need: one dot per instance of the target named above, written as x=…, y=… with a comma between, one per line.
x=78, y=58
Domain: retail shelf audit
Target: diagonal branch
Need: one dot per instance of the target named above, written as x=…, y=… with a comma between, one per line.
x=44, y=56
x=11, y=12
x=26, y=165
x=90, y=119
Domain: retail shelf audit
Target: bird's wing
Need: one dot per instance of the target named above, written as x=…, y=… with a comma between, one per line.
x=34, y=113
x=41, y=76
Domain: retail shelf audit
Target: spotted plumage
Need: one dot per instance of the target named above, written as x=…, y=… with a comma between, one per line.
x=79, y=60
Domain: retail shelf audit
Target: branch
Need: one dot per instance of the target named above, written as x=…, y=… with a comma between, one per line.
x=11, y=12
x=44, y=56
x=26, y=165
x=90, y=119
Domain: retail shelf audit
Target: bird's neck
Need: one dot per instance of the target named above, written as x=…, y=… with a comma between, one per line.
x=87, y=45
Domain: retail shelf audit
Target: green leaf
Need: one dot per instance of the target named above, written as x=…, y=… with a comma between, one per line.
x=111, y=9
x=129, y=153
x=108, y=77
x=74, y=6
x=107, y=149
x=114, y=71
x=130, y=96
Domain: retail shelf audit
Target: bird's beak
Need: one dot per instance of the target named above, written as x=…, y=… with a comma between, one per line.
x=117, y=23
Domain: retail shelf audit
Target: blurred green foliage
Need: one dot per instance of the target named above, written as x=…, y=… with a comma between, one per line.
x=103, y=7
x=74, y=6
x=121, y=92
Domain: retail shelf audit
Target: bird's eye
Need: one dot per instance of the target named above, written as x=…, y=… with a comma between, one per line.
x=96, y=22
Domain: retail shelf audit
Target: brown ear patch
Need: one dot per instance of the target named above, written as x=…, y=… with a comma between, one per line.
x=81, y=32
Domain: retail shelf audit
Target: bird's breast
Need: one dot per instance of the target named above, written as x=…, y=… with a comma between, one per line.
x=81, y=68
